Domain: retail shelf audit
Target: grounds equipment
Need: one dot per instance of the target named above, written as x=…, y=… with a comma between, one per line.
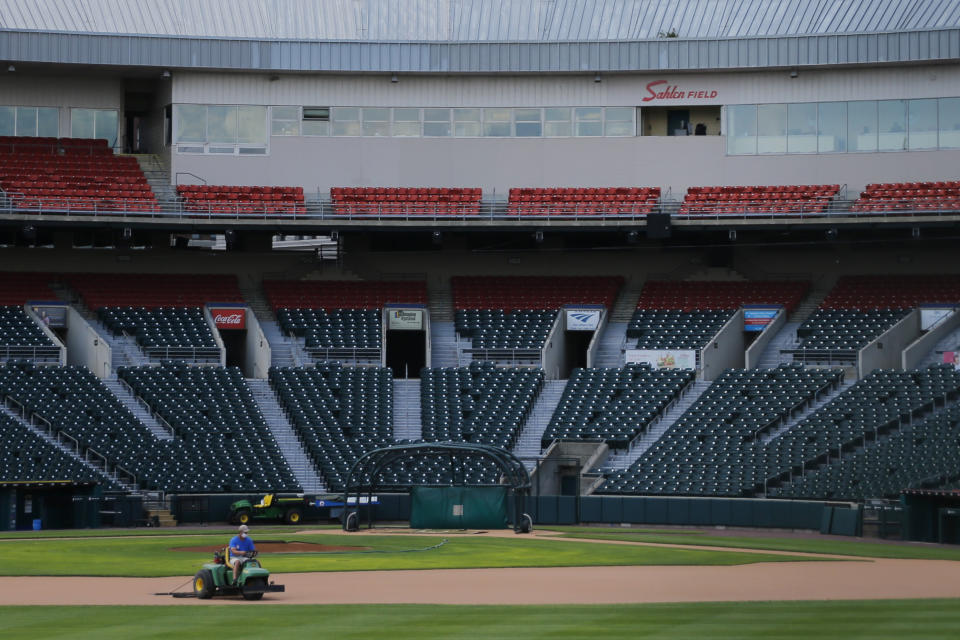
x=216, y=579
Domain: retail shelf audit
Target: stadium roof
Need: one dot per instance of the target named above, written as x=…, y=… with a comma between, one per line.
x=478, y=36
x=476, y=20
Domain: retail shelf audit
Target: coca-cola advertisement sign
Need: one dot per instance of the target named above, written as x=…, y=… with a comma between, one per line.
x=229, y=318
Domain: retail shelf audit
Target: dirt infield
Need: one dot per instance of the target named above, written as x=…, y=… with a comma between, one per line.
x=811, y=580
x=279, y=547
x=577, y=585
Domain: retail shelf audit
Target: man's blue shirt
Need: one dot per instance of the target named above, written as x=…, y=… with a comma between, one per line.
x=244, y=544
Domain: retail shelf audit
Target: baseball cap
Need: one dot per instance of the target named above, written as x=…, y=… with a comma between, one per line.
x=243, y=528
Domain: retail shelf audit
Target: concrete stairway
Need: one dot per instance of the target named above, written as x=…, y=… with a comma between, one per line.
x=69, y=450
x=440, y=301
x=949, y=343
x=814, y=297
x=610, y=349
x=626, y=302
x=531, y=433
x=283, y=351
x=300, y=462
x=803, y=415
x=407, y=417
x=444, y=349
x=639, y=446
x=124, y=350
x=157, y=172
x=786, y=338
x=138, y=408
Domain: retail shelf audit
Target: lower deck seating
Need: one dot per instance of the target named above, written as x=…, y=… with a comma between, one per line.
x=26, y=457
x=925, y=453
x=881, y=402
x=715, y=447
x=215, y=417
x=213, y=450
x=614, y=404
x=339, y=413
x=481, y=403
x=583, y=201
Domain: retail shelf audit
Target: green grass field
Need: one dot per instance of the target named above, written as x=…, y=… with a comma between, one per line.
x=152, y=556
x=899, y=619
x=797, y=545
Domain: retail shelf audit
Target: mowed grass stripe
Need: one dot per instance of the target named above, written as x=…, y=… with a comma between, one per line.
x=154, y=557
x=898, y=619
x=826, y=546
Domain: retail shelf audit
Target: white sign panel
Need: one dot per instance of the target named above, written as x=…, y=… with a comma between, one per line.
x=405, y=319
x=930, y=317
x=583, y=319
x=661, y=359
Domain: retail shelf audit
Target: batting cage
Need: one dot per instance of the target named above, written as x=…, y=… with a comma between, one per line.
x=452, y=485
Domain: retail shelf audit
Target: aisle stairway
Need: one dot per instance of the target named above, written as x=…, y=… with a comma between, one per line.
x=444, y=349
x=528, y=441
x=138, y=408
x=623, y=459
x=283, y=349
x=300, y=463
x=610, y=349
x=407, y=418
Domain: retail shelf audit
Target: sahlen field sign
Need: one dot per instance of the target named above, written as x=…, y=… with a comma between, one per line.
x=405, y=319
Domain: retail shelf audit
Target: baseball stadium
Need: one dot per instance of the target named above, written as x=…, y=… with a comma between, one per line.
x=480, y=318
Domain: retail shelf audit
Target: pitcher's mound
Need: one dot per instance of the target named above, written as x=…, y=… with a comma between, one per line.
x=279, y=546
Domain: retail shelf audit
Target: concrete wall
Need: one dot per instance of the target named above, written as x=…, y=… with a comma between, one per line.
x=216, y=335
x=65, y=92
x=594, y=345
x=918, y=350
x=496, y=165
x=256, y=363
x=48, y=332
x=554, y=354
x=85, y=347
x=886, y=351
x=725, y=350
x=751, y=358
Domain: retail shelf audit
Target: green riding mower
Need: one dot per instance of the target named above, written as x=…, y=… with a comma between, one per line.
x=216, y=579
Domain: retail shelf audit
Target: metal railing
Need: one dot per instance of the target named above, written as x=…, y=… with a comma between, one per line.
x=48, y=353
x=488, y=210
x=189, y=354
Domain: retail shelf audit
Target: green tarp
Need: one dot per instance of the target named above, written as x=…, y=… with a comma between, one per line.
x=458, y=508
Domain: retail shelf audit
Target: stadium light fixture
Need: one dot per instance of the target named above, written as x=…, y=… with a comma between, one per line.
x=11, y=69
x=394, y=79
x=597, y=78
x=165, y=74
x=794, y=73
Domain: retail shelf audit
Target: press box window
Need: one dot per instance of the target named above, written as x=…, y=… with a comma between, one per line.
x=285, y=121
x=316, y=121
x=346, y=121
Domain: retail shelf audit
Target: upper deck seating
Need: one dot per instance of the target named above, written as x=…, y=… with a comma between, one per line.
x=342, y=294
x=75, y=174
x=687, y=314
x=406, y=201
x=860, y=308
x=226, y=199
x=529, y=201
x=908, y=196
x=758, y=200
